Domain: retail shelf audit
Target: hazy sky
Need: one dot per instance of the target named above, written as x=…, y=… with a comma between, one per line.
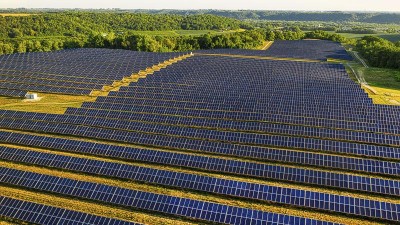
x=345, y=5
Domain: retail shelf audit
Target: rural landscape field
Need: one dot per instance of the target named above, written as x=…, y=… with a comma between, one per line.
x=222, y=114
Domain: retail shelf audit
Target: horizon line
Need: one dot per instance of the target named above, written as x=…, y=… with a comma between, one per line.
x=281, y=10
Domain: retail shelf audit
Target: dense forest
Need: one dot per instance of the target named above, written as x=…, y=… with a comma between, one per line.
x=379, y=52
x=54, y=31
x=83, y=23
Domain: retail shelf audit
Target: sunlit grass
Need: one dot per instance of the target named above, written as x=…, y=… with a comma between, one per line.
x=49, y=103
x=16, y=14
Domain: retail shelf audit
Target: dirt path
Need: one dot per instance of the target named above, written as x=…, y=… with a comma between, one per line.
x=267, y=45
x=360, y=59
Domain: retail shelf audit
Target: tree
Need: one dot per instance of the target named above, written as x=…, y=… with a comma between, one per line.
x=21, y=48
x=270, y=35
x=15, y=33
x=6, y=48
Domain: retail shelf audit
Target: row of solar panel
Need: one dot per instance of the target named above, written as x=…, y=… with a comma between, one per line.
x=271, y=118
x=95, y=54
x=309, y=79
x=87, y=62
x=211, y=123
x=34, y=81
x=248, y=169
x=30, y=70
x=200, y=145
x=45, y=88
x=239, y=100
x=254, y=115
x=309, y=49
x=26, y=74
x=368, y=138
x=294, y=197
x=257, y=102
x=12, y=93
x=310, y=159
x=200, y=94
x=157, y=127
x=296, y=109
x=175, y=206
x=271, y=69
x=311, y=86
x=43, y=214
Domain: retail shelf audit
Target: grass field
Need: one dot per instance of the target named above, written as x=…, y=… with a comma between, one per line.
x=390, y=37
x=385, y=83
x=50, y=103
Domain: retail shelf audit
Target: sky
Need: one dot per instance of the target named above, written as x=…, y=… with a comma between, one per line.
x=303, y=5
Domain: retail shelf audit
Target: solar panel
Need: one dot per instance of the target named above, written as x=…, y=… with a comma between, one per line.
x=12, y=93
x=68, y=71
x=259, y=153
x=189, y=208
x=200, y=145
x=258, y=170
x=280, y=114
x=43, y=214
x=303, y=49
x=294, y=197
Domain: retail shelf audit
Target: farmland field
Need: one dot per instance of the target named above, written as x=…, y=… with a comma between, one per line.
x=221, y=136
x=390, y=37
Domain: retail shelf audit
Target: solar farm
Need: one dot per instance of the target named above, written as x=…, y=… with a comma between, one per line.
x=223, y=136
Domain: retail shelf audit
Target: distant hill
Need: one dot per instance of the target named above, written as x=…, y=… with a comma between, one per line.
x=378, y=17
x=334, y=16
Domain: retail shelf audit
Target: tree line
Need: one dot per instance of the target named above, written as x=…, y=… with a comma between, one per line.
x=76, y=24
x=248, y=39
x=379, y=52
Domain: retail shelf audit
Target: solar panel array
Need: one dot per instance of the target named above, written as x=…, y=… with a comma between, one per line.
x=301, y=49
x=34, y=213
x=12, y=93
x=287, y=134
x=205, y=211
x=74, y=71
x=314, y=49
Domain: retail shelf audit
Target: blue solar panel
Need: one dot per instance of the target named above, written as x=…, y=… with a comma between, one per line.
x=303, y=49
x=43, y=214
x=294, y=197
x=73, y=71
x=189, y=208
x=277, y=113
x=12, y=93
x=283, y=173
